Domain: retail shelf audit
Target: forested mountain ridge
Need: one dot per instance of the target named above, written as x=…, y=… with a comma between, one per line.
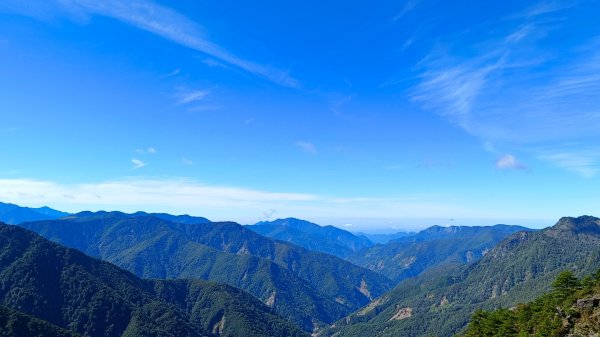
x=73, y=291
x=435, y=247
x=326, y=239
x=518, y=269
x=310, y=288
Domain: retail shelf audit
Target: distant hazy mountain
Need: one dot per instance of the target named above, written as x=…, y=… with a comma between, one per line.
x=14, y=214
x=184, y=219
x=517, y=270
x=64, y=288
x=307, y=287
x=384, y=238
x=326, y=239
x=434, y=247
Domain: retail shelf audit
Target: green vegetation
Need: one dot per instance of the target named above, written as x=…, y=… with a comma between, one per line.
x=17, y=324
x=435, y=247
x=73, y=291
x=519, y=269
x=307, y=287
x=554, y=314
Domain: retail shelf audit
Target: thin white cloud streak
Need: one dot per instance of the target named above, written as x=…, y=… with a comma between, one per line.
x=409, y=6
x=171, y=74
x=545, y=7
x=584, y=164
x=191, y=96
x=154, y=18
x=218, y=202
x=519, y=34
x=137, y=164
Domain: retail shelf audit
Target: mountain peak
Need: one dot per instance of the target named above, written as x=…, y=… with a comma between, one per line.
x=326, y=239
x=14, y=214
x=584, y=224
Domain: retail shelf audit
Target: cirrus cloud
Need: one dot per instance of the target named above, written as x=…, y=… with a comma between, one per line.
x=509, y=162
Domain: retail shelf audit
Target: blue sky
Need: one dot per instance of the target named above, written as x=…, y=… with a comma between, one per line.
x=363, y=114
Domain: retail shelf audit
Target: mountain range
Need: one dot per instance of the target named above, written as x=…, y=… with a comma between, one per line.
x=517, y=270
x=283, y=276
x=435, y=247
x=307, y=287
x=47, y=289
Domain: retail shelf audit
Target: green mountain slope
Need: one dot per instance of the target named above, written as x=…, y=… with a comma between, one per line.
x=439, y=247
x=307, y=287
x=326, y=239
x=17, y=324
x=519, y=269
x=572, y=308
x=73, y=291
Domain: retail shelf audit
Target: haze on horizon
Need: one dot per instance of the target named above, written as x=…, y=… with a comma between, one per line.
x=391, y=115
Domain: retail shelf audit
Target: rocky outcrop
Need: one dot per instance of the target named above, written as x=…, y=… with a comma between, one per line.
x=402, y=313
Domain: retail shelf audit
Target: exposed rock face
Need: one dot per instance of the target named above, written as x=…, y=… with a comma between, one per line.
x=372, y=306
x=270, y=302
x=364, y=290
x=402, y=313
x=218, y=328
x=407, y=262
x=469, y=256
x=588, y=303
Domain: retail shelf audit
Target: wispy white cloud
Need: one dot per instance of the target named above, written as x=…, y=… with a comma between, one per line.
x=307, y=147
x=510, y=90
x=519, y=34
x=177, y=195
x=408, y=6
x=173, y=73
x=156, y=19
x=583, y=163
x=189, y=96
x=509, y=162
x=186, y=161
x=453, y=91
x=214, y=63
x=137, y=163
x=545, y=7
x=149, y=150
